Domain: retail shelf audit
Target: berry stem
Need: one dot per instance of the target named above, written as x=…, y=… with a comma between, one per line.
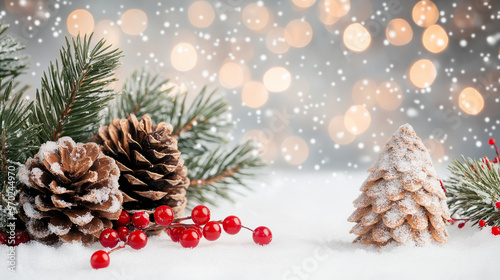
x=182, y=219
x=496, y=149
x=117, y=248
x=247, y=228
x=493, y=219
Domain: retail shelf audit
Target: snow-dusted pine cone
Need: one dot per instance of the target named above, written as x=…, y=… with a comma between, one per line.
x=152, y=170
x=69, y=192
x=402, y=199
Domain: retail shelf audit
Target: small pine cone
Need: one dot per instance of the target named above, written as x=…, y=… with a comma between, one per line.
x=152, y=170
x=69, y=192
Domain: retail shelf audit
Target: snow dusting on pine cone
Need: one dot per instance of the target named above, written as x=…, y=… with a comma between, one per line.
x=402, y=198
x=69, y=192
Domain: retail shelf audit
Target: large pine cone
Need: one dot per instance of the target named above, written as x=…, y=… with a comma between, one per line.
x=69, y=192
x=152, y=170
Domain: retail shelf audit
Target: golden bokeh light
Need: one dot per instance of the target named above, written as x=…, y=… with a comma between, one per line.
x=357, y=119
x=398, y=32
x=294, y=150
x=276, y=42
x=423, y=73
x=471, y=101
x=337, y=8
x=108, y=30
x=303, y=3
x=201, y=14
x=183, y=57
x=80, y=22
x=277, y=79
x=425, y=13
x=435, y=39
x=356, y=37
x=298, y=33
x=259, y=138
x=389, y=96
x=363, y=92
x=255, y=16
x=338, y=131
x=231, y=75
x=254, y=94
x=134, y=22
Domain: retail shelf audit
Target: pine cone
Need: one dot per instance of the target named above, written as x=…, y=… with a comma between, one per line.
x=69, y=192
x=402, y=199
x=152, y=170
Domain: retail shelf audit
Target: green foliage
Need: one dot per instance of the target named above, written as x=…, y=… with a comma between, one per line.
x=12, y=61
x=73, y=95
x=202, y=128
x=473, y=190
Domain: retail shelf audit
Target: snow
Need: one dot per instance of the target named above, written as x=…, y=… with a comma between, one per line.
x=307, y=214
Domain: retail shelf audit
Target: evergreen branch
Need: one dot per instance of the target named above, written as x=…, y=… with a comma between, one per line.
x=473, y=190
x=70, y=100
x=219, y=173
x=12, y=62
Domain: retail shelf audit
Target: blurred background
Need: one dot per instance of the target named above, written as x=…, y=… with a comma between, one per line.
x=320, y=84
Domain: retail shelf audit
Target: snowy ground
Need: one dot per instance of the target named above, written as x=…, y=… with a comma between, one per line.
x=307, y=214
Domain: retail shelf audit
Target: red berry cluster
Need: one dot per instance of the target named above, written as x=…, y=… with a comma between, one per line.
x=188, y=235
x=18, y=237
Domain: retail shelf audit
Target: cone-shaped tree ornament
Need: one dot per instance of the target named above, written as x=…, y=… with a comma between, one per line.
x=69, y=192
x=402, y=198
x=152, y=170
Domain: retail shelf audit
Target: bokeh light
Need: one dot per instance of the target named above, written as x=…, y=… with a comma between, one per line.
x=201, y=14
x=134, y=22
x=276, y=42
x=231, y=75
x=298, y=33
x=435, y=148
x=425, y=13
x=260, y=139
x=108, y=30
x=363, y=92
x=398, y=32
x=183, y=57
x=337, y=8
x=255, y=16
x=471, y=101
x=357, y=119
x=435, y=39
x=254, y=94
x=389, y=96
x=356, y=37
x=423, y=73
x=277, y=79
x=294, y=150
x=303, y=3
x=80, y=22
x=324, y=14
x=338, y=131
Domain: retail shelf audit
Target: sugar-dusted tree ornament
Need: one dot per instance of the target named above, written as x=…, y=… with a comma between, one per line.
x=402, y=198
x=69, y=192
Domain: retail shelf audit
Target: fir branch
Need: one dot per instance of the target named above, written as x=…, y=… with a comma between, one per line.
x=215, y=174
x=12, y=61
x=73, y=95
x=473, y=190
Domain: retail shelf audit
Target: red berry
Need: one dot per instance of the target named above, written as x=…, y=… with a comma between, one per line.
x=140, y=220
x=482, y=223
x=109, y=238
x=168, y=230
x=491, y=141
x=497, y=205
x=198, y=229
x=231, y=225
x=20, y=236
x=123, y=233
x=461, y=225
x=137, y=239
x=124, y=219
x=190, y=238
x=495, y=230
x=212, y=231
x=99, y=259
x=164, y=215
x=262, y=236
x=200, y=215
x=176, y=232
x=3, y=237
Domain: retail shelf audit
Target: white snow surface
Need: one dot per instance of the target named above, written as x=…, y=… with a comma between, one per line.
x=307, y=214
